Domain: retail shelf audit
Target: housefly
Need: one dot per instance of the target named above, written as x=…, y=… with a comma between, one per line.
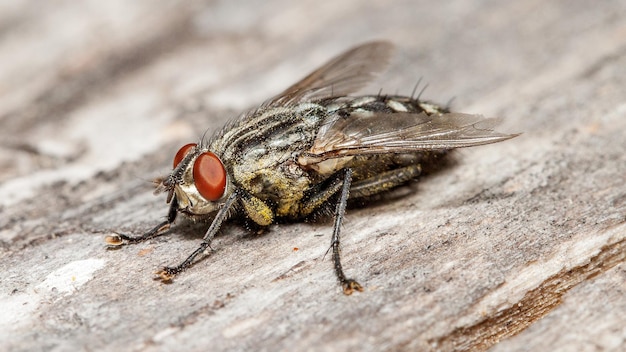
x=312, y=146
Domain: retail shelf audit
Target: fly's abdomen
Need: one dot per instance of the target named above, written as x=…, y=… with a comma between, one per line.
x=385, y=104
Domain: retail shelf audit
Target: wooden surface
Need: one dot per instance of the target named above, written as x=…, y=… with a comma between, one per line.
x=519, y=246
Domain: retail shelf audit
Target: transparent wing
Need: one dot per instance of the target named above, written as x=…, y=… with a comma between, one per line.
x=341, y=76
x=364, y=132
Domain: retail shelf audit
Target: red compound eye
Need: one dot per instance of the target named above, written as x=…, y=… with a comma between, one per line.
x=209, y=176
x=182, y=152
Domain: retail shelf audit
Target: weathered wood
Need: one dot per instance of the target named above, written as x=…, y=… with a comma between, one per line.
x=517, y=246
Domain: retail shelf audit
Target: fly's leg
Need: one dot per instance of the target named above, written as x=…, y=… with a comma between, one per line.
x=364, y=188
x=384, y=181
x=118, y=240
x=348, y=285
x=321, y=196
x=167, y=273
x=340, y=182
x=257, y=210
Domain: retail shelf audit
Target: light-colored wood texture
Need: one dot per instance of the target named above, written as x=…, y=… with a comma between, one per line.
x=518, y=246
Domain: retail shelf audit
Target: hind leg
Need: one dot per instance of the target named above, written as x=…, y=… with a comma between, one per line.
x=384, y=181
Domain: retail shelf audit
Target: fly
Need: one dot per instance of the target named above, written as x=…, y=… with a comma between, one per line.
x=310, y=146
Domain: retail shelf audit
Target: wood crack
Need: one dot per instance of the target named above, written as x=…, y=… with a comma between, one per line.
x=533, y=306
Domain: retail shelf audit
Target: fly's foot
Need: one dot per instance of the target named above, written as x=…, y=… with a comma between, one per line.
x=117, y=240
x=167, y=274
x=350, y=286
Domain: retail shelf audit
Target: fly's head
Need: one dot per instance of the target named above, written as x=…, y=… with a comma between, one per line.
x=199, y=181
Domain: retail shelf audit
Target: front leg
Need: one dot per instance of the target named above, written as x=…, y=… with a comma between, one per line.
x=118, y=240
x=167, y=273
x=255, y=209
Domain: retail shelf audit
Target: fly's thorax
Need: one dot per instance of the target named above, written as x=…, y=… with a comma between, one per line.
x=199, y=180
x=260, y=152
x=267, y=130
x=274, y=178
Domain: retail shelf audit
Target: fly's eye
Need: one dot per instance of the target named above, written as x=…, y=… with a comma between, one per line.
x=182, y=152
x=209, y=176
